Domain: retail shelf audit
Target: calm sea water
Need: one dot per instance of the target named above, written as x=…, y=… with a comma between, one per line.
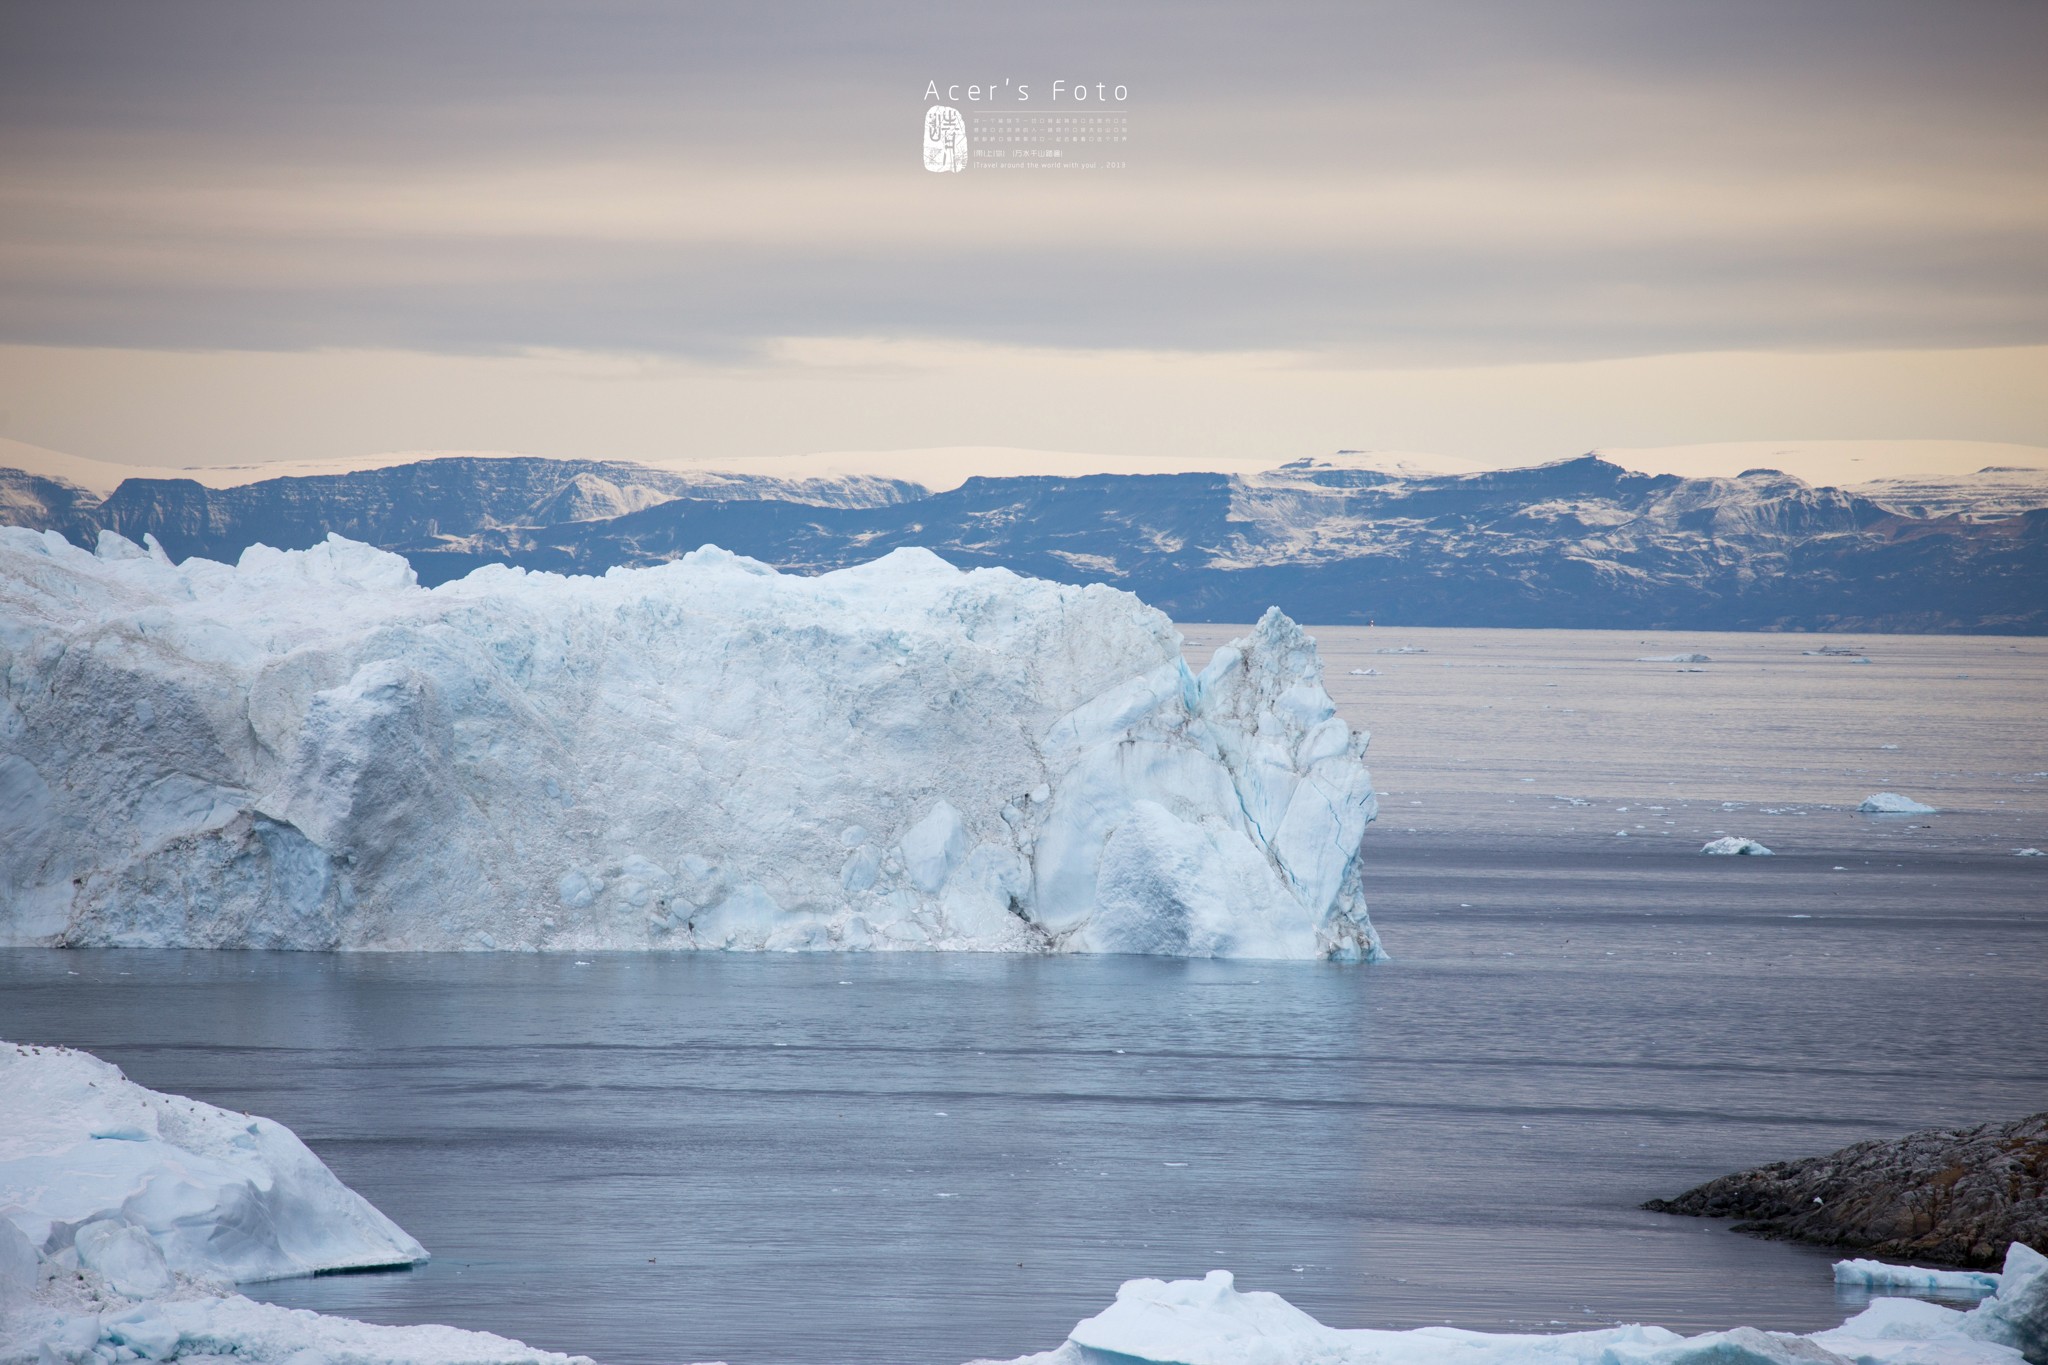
x=928, y=1159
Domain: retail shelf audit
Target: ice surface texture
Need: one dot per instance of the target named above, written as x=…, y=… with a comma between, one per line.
x=140, y=1186
x=307, y=750
x=1209, y=1322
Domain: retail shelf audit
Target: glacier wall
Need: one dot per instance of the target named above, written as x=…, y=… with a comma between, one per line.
x=308, y=750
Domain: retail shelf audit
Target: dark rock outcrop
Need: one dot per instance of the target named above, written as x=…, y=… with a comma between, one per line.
x=1957, y=1197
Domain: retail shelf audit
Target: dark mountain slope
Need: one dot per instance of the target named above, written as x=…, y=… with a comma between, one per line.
x=1579, y=543
x=411, y=502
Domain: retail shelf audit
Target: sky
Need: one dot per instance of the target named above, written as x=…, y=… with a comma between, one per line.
x=245, y=232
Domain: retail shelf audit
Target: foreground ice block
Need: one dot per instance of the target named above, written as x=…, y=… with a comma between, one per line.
x=125, y=1214
x=308, y=750
x=98, y=1172
x=1211, y=1322
x=232, y=1330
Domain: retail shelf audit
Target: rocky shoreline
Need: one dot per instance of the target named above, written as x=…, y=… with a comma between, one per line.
x=1951, y=1196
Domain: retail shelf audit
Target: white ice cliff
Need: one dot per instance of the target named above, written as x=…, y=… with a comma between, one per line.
x=308, y=750
x=126, y=1215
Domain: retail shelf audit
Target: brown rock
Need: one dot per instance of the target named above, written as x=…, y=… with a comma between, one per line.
x=1951, y=1196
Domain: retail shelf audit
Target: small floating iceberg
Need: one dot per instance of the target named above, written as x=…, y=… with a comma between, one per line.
x=1918, y=1279
x=1891, y=803
x=1211, y=1322
x=1674, y=659
x=1734, y=847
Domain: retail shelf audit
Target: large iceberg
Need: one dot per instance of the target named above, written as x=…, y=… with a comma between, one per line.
x=1211, y=1322
x=308, y=750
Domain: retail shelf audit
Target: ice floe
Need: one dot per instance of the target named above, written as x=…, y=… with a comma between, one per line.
x=1732, y=846
x=1211, y=1322
x=1891, y=803
x=307, y=750
x=1675, y=659
x=1884, y=1275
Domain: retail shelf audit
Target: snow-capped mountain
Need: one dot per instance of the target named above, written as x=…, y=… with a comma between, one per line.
x=1355, y=537
x=1991, y=493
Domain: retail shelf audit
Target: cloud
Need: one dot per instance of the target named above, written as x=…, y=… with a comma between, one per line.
x=800, y=395
x=1398, y=184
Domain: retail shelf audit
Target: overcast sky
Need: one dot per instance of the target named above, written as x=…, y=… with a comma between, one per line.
x=733, y=195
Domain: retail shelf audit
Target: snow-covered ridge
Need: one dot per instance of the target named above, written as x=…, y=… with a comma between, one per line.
x=308, y=750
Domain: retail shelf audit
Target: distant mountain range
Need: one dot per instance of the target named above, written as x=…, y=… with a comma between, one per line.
x=1580, y=543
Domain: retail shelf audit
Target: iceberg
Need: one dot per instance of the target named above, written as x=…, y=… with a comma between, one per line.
x=140, y=1187
x=125, y=1215
x=1674, y=659
x=213, y=1330
x=1211, y=1322
x=1731, y=846
x=308, y=750
x=1883, y=1275
x=1891, y=803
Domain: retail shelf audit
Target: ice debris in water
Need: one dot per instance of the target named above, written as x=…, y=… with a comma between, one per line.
x=2029, y=853
x=1675, y=659
x=670, y=757
x=1730, y=845
x=1891, y=803
x=1211, y=1322
x=1882, y=1275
